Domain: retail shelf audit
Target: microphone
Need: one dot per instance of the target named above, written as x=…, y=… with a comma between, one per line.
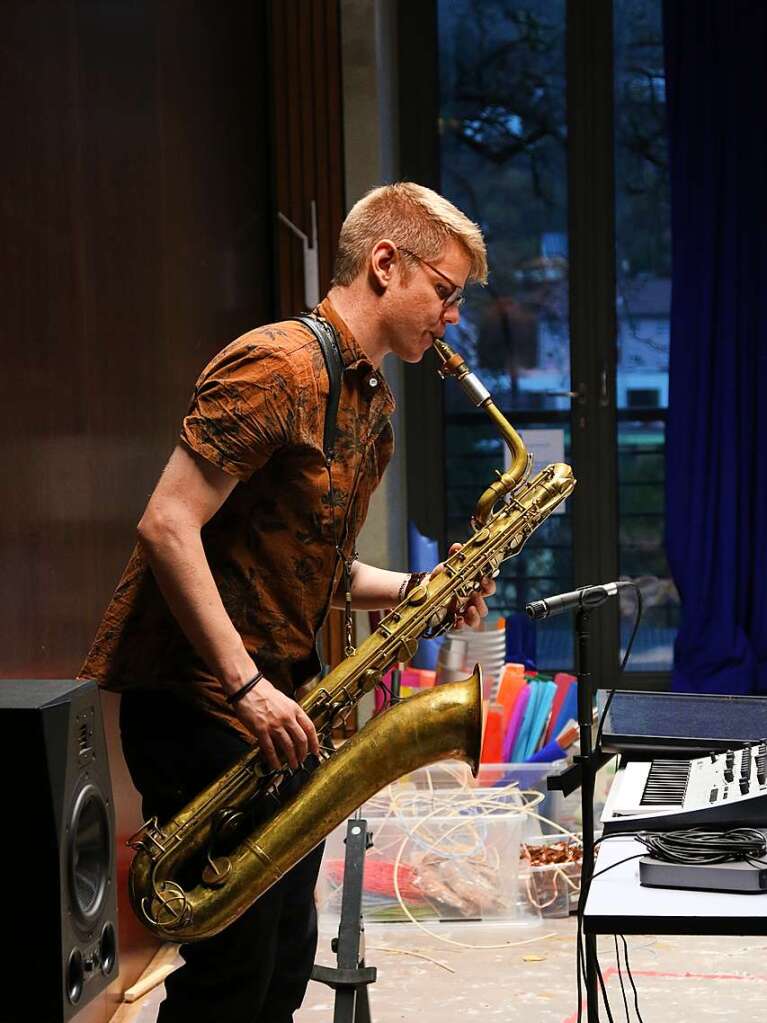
x=585, y=597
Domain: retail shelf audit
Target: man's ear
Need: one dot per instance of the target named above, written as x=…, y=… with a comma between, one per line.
x=383, y=260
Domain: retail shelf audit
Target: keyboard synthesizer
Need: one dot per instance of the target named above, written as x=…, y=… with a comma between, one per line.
x=723, y=788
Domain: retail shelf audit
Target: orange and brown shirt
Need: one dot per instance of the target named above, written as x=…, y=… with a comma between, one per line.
x=258, y=413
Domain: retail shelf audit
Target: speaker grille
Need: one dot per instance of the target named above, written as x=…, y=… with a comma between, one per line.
x=89, y=854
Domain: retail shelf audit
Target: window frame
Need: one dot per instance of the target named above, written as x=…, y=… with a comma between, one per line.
x=589, y=69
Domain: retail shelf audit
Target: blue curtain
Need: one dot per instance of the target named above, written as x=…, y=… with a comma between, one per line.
x=716, y=444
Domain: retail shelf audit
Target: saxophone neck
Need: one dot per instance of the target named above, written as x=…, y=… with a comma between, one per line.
x=453, y=365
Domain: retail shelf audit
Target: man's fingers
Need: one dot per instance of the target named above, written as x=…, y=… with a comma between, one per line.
x=300, y=741
x=309, y=730
x=268, y=751
x=284, y=741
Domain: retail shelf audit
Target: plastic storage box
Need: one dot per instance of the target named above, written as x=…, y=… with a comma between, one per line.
x=453, y=774
x=552, y=888
x=439, y=853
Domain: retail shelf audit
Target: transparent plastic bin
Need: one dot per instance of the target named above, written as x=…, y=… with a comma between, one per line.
x=551, y=888
x=444, y=854
x=454, y=774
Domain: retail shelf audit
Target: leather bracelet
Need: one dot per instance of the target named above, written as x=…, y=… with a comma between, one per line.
x=236, y=696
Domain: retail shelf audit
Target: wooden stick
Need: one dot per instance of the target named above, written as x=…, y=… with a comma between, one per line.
x=163, y=963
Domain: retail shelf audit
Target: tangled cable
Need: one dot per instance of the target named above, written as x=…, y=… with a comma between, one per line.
x=699, y=846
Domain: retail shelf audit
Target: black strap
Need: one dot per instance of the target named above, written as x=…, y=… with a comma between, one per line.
x=331, y=351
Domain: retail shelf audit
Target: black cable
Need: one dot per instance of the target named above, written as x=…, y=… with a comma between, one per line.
x=698, y=846
x=580, y=957
x=622, y=668
x=620, y=977
x=578, y=968
x=392, y=698
x=631, y=979
x=604, y=992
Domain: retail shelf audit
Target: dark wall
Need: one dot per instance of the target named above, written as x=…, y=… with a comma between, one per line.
x=136, y=226
x=137, y=229
x=146, y=150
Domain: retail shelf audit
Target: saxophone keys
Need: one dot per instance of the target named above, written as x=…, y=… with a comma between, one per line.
x=417, y=596
x=216, y=872
x=479, y=537
x=407, y=649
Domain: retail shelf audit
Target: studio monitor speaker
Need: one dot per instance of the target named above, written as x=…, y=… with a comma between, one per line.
x=57, y=882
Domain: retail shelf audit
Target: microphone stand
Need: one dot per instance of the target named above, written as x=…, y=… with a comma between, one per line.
x=589, y=761
x=583, y=773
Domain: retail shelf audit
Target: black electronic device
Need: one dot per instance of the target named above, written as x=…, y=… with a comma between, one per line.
x=58, y=859
x=692, y=723
x=734, y=878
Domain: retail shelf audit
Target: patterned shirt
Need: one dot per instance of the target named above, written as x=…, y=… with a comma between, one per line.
x=258, y=413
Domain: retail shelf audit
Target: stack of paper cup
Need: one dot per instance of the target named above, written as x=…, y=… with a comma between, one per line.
x=488, y=649
x=451, y=659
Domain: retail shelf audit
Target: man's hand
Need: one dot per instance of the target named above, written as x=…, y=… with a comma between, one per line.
x=475, y=608
x=279, y=724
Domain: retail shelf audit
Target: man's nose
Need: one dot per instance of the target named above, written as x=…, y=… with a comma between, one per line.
x=452, y=314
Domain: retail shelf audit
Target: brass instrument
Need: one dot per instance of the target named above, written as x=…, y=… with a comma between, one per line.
x=232, y=863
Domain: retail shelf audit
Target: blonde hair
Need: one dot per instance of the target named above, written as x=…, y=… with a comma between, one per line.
x=413, y=217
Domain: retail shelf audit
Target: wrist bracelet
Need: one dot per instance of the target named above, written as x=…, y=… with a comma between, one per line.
x=236, y=696
x=409, y=584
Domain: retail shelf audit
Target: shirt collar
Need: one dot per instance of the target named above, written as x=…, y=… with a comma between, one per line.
x=353, y=356
x=351, y=353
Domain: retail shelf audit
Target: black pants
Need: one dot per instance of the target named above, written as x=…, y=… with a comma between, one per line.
x=256, y=971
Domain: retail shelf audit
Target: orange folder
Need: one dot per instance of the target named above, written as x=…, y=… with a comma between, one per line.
x=512, y=684
x=492, y=741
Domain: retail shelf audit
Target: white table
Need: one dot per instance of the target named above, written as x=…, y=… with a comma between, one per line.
x=618, y=904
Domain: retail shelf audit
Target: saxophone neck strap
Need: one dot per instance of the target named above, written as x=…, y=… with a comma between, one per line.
x=327, y=339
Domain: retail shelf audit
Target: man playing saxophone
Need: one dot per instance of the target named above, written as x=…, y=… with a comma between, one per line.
x=246, y=542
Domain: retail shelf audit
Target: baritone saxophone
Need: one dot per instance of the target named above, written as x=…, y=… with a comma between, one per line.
x=196, y=873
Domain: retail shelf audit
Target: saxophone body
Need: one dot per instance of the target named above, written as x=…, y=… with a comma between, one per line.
x=195, y=874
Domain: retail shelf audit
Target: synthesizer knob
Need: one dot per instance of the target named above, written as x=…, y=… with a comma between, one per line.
x=728, y=774
x=744, y=785
x=729, y=758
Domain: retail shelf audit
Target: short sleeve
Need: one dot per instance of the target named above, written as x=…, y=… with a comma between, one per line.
x=243, y=408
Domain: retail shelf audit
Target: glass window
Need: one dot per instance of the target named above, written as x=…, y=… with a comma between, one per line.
x=643, y=265
x=504, y=162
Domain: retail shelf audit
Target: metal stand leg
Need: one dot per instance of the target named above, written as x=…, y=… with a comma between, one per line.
x=351, y=977
x=587, y=760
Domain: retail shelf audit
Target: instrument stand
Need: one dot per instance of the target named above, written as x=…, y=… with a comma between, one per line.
x=589, y=761
x=351, y=977
x=582, y=773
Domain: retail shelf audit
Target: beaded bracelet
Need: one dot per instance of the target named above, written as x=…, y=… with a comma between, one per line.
x=236, y=696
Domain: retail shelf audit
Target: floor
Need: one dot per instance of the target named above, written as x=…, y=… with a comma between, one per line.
x=422, y=978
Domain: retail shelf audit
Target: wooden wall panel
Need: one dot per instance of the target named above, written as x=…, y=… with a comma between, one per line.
x=308, y=137
x=137, y=222
x=307, y=127
x=147, y=147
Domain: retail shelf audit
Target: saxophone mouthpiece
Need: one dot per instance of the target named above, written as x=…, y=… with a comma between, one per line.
x=451, y=363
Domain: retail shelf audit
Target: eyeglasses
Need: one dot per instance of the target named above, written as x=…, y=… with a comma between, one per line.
x=453, y=297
